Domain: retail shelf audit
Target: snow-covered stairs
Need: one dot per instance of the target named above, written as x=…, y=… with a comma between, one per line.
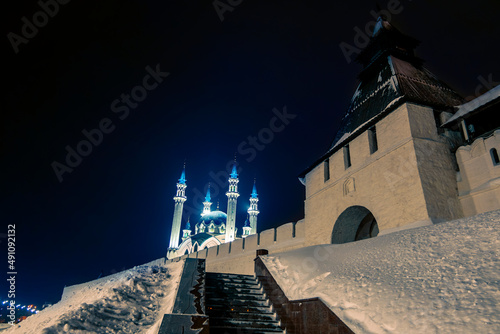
x=238, y=304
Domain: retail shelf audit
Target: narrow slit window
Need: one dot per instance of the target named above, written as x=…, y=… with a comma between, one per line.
x=372, y=139
x=327, y=169
x=494, y=156
x=347, y=157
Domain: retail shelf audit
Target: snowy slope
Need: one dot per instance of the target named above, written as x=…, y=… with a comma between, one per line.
x=442, y=278
x=132, y=301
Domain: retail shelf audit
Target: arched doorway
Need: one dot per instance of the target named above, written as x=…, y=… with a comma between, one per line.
x=355, y=223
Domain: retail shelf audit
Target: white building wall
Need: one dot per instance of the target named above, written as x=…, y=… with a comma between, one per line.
x=408, y=181
x=479, y=176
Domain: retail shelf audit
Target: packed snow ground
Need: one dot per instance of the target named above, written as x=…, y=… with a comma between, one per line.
x=132, y=301
x=442, y=278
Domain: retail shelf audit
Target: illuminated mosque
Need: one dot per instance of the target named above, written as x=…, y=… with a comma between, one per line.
x=214, y=227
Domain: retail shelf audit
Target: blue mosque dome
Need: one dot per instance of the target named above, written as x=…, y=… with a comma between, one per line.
x=218, y=217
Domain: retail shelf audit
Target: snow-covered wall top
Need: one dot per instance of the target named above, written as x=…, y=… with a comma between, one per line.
x=442, y=278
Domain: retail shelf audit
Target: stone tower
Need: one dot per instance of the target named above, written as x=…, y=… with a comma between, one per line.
x=390, y=165
x=253, y=210
x=180, y=198
x=232, y=198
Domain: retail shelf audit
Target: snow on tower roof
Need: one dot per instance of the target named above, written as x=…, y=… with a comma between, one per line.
x=440, y=278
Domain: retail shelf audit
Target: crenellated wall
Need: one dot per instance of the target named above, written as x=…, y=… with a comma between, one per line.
x=237, y=257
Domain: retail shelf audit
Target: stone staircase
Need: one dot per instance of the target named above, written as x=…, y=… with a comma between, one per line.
x=237, y=304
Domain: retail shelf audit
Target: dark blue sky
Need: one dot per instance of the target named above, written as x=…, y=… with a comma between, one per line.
x=114, y=209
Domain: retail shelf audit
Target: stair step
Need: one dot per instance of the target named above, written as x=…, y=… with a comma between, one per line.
x=237, y=302
x=229, y=275
x=224, y=282
x=236, y=322
x=260, y=316
x=215, y=295
x=232, y=277
x=237, y=291
x=237, y=330
x=213, y=308
x=233, y=285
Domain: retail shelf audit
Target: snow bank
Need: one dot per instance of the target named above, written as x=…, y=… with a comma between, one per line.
x=442, y=278
x=132, y=301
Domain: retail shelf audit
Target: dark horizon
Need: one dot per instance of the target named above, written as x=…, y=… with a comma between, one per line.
x=228, y=81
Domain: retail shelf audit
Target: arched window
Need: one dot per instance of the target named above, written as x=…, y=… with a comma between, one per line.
x=494, y=156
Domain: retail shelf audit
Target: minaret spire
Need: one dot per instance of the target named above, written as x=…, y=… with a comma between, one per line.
x=246, y=228
x=207, y=204
x=253, y=210
x=186, y=232
x=232, y=198
x=179, y=199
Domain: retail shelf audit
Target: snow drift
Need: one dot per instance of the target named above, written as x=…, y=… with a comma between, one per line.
x=132, y=301
x=442, y=278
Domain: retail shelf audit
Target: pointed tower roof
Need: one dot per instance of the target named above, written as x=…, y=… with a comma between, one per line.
x=247, y=223
x=254, y=191
x=183, y=176
x=234, y=172
x=188, y=225
x=208, y=198
x=391, y=76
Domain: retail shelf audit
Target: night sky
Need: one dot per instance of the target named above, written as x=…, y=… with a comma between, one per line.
x=114, y=209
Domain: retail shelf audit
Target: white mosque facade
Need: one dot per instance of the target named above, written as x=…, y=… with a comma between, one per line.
x=214, y=227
